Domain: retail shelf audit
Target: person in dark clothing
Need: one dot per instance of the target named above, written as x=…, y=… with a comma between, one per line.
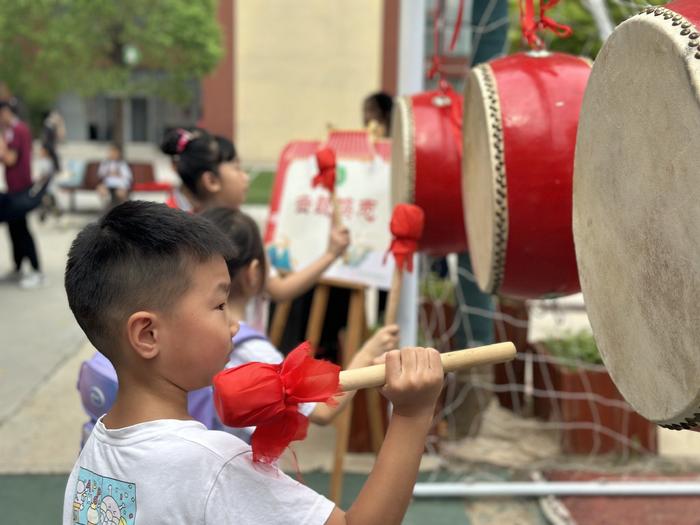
x=16, y=155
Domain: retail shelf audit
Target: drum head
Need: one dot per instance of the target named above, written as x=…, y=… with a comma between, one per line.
x=637, y=215
x=483, y=180
x=403, y=153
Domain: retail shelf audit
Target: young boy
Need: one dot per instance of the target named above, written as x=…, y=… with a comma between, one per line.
x=149, y=286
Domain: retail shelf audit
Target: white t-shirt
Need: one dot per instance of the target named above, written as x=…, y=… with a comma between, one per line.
x=261, y=351
x=171, y=471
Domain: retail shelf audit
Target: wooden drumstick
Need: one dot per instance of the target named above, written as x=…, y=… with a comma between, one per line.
x=336, y=219
x=392, y=302
x=407, y=228
x=253, y=393
x=373, y=376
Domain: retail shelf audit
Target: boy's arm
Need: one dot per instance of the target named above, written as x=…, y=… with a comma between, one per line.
x=414, y=381
x=296, y=283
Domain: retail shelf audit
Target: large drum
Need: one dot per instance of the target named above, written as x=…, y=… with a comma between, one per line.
x=426, y=157
x=637, y=210
x=520, y=118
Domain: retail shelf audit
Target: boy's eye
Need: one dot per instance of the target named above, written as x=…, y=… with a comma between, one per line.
x=222, y=306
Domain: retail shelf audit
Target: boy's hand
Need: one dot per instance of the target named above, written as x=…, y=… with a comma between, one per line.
x=413, y=380
x=383, y=340
x=338, y=240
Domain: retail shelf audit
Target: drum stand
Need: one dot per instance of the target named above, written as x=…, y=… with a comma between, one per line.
x=356, y=333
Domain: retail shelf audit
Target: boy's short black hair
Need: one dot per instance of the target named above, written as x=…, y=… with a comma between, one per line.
x=137, y=257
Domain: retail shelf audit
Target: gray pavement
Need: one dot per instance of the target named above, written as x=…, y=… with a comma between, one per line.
x=37, y=330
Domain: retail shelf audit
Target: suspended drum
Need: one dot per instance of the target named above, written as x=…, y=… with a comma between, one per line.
x=636, y=210
x=520, y=119
x=426, y=156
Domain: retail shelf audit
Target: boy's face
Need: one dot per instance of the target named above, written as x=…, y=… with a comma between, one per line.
x=197, y=331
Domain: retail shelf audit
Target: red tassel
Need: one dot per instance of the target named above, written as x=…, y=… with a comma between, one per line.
x=530, y=27
x=407, y=228
x=326, y=167
x=268, y=396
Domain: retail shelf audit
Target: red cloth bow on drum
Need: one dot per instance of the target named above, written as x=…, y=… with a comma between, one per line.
x=326, y=169
x=268, y=396
x=407, y=228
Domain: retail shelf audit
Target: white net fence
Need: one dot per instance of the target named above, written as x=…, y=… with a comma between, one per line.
x=554, y=407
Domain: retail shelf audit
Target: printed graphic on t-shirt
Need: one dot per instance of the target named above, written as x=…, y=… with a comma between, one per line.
x=102, y=500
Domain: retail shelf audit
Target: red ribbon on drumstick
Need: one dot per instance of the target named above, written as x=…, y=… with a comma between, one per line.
x=268, y=396
x=325, y=158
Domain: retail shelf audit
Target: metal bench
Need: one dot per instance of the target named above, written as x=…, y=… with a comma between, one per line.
x=144, y=180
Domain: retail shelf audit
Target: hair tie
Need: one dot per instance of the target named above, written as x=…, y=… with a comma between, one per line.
x=183, y=140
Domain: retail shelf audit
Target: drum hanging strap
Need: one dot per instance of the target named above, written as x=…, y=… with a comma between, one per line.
x=530, y=27
x=437, y=22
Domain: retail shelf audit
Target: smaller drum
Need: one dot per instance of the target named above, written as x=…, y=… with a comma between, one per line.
x=636, y=213
x=520, y=119
x=426, y=157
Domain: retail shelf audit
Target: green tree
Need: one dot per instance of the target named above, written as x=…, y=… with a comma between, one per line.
x=117, y=47
x=585, y=39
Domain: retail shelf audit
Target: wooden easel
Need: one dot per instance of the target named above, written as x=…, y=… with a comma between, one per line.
x=356, y=333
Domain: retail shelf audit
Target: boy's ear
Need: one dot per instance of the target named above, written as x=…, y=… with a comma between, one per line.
x=143, y=333
x=210, y=182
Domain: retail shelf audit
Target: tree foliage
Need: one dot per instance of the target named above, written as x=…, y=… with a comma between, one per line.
x=52, y=46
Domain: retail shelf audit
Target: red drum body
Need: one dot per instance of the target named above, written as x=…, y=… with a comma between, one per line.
x=426, y=165
x=520, y=118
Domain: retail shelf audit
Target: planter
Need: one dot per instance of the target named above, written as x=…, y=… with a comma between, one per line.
x=580, y=400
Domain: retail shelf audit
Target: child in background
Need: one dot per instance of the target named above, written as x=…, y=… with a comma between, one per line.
x=210, y=170
x=376, y=114
x=149, y=286
x=247, y=269
x=115, y=177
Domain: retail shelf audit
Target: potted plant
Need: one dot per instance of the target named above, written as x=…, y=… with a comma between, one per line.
x=573, y=387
